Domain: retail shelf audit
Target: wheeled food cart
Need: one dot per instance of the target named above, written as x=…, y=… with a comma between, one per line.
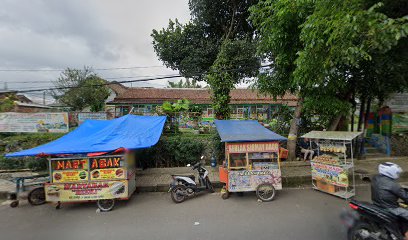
x=252, y=159
x=103, y=179
x=96, y=161
x=333, y=167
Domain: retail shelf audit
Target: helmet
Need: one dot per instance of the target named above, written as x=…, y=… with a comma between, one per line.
x=390, y=170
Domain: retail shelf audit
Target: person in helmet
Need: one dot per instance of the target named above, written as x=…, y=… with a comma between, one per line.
x=385, y=191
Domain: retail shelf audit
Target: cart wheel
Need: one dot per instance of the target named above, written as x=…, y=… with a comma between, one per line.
x=37, y=196
x=58, y=206
x=225, y=194
x=105, y=205
x=265, y=192
x=14, y=204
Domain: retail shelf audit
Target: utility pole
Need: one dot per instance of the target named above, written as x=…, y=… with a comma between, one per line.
x=5, y=86
x=44, y=98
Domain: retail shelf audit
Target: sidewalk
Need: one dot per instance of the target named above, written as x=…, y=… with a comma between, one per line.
x=294, y=174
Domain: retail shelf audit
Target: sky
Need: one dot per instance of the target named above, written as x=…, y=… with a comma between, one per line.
x=53, y=35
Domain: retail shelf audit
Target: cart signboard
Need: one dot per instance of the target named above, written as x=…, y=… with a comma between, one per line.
x=69, y=170
x=331, y=174
x=71, y=192
x=105, y=168
x=252, y=147
x=249, y=180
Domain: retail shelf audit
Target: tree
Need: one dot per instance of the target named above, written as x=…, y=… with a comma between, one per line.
x=8, y=103
x=79, y=89
x=198, y=49
x=181, y=84
x=322, y=51
x=174, y=111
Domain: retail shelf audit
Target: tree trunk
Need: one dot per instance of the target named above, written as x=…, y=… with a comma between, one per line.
x=292, y=138
x=361, y=115
x=334, y=123
x=367, y=113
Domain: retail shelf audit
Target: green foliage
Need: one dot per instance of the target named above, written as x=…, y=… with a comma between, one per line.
x=173, y=112
x=328, y=51
x=235, y=61
x=174, y=151
x=280, y=120
x=7, y=103
x=81, y=89
x=216, y=36
x=17, y=142
x=187, y=84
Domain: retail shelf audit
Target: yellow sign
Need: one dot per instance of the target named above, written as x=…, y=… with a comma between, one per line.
x=253, y=147
x=71, y=192
x=70, y=176
x=108, y=173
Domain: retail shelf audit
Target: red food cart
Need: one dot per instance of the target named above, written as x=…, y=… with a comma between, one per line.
x=252, y=161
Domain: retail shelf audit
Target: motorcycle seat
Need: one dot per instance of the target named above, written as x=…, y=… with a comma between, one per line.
x=381, y=212
x=189, y=176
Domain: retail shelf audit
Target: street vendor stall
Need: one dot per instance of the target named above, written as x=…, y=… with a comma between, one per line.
x=333, y=167
x=96, y=162
x=252, y=159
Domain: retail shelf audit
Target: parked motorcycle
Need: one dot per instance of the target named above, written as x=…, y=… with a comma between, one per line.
x=184, y=186
x=367, y=221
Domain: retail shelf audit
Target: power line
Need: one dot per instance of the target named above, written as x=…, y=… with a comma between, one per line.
x=128, y=81
x=60, y=70
x=95, y=85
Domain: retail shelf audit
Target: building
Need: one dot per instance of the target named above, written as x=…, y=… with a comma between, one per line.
x=23, y=104
x=245, y=103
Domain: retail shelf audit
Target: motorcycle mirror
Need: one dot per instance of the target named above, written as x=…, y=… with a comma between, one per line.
x=188, y=165
x=202, y=157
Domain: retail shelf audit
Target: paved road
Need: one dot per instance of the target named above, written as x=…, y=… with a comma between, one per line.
x=295, y=214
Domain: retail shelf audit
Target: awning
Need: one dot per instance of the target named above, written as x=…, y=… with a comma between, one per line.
x=95, y=136
x=332, y=135
x=245, y=131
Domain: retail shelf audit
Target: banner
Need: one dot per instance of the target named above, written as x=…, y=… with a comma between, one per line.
x=91, y=116
x=66, y=192
x=252, y=147
x=249, y=180
x=400, y=123
x=34, y=122
x=330, y=174
x=69, y=170
x=104, y=168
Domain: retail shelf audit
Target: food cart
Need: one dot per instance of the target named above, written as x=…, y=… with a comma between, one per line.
x=333, y=167
x=103, y=179
x=252, y=159
x=96, y=162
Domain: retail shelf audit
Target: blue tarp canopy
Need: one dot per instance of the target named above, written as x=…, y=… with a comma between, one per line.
x=94, y=136
x=245, y=131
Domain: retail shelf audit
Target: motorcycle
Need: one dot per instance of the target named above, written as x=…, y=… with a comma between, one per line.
x=184, y=186
x=368, y=221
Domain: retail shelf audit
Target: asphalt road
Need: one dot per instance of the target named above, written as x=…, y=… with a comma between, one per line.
x=295, y=214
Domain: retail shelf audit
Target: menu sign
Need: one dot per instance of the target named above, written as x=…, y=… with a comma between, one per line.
x=253, y=147
x=105, y=168
x=331, y=174
x=69, y=170
x=86, y=191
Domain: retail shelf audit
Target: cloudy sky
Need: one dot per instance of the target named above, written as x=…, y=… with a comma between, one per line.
x=53, y=35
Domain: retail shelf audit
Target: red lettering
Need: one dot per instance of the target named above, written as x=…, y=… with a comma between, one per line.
x=83, y=163
x=60, y=165
x=68, y=165
x=109, y=163
x=94, y=164
x=102, y=163
x=117, y=160
x=75, y=164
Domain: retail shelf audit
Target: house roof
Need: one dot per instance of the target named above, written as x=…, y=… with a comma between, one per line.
x=117, y=87
x=197, y=96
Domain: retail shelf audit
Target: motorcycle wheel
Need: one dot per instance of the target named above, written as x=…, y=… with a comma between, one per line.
x=210, y=186
x=178, y=194
x=37, y=196
x=265, y=192
x=360, y=231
